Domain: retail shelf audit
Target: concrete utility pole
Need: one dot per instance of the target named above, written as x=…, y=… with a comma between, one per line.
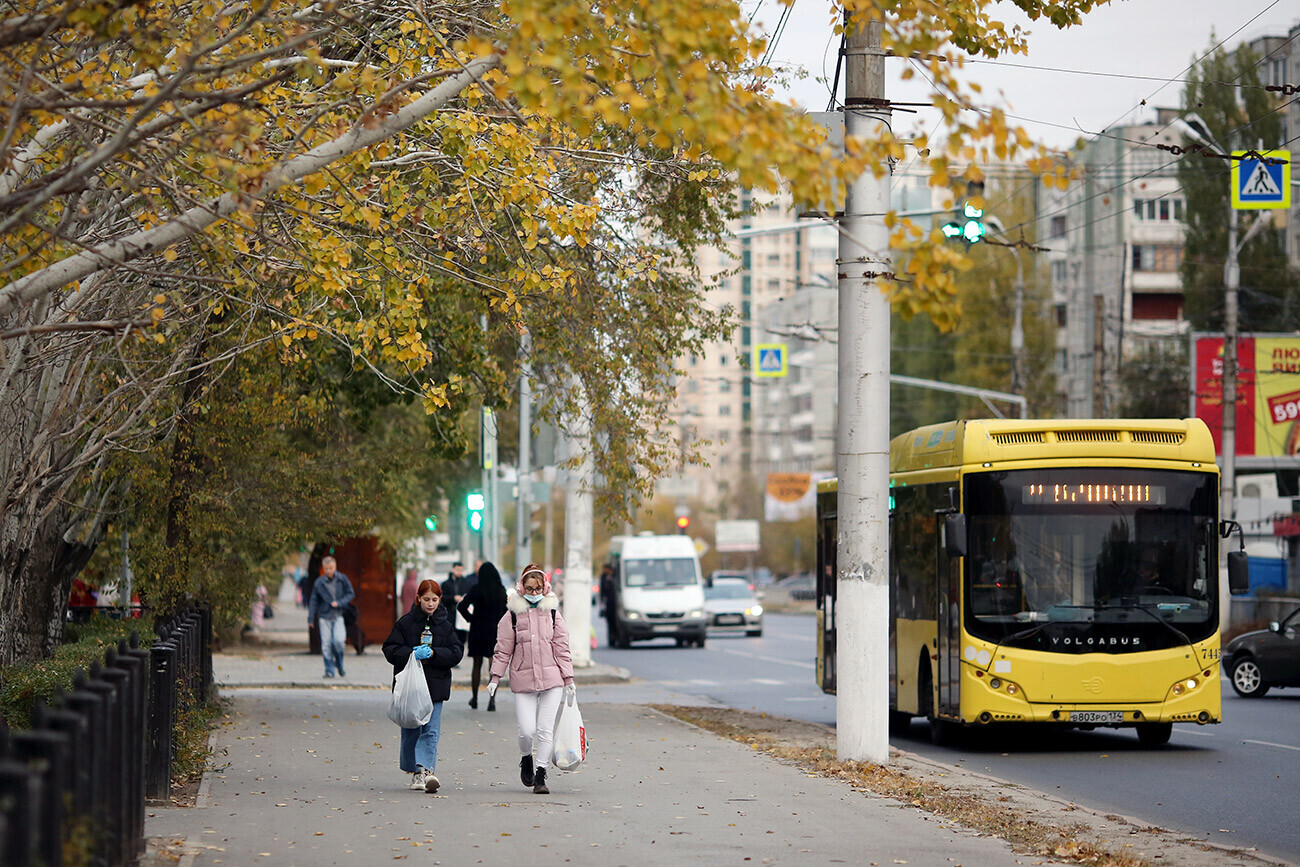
x=487, y=536
x=862, y=435
x=524, y=495
x=577, y=541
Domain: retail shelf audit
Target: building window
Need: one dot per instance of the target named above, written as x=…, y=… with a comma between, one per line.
x=1058, y=227
x=724, y=409
x=692, y=387
x=1178, y=209
x=803, y=434
x=1138, y=207
x=724, y=385
x=774, y=258
x=722, y=361
x=1164, y=209
x=1151, y=209
x=693, y=360
x=1059, y=272
x=1061, y=317
x=1157, y=257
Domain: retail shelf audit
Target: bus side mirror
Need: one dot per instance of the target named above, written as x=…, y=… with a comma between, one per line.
x=954, y=534
x=1238, y=573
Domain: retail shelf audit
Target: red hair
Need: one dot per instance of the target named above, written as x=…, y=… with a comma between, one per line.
x=428, y=585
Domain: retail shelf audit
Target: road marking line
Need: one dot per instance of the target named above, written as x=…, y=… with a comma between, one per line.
x=762, y=658
x=1271, y=744
x=1193, y=732
x=705, y=683
x=767, y=681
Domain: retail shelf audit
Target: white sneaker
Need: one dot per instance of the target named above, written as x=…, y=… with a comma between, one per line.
x=431, y=783
x=417, y=781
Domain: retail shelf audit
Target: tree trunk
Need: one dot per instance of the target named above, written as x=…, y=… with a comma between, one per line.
x=37, y=575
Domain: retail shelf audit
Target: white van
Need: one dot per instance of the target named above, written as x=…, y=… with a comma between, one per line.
x=659, y=591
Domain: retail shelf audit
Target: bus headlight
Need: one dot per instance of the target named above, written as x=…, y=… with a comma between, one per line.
x=995, y=683
x=1012, y=689
x=1184, y=686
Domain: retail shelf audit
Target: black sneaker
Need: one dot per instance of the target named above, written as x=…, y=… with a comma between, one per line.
x=526, y=770
x=539, y=782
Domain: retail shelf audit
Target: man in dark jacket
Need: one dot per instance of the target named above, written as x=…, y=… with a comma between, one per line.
x=454, y=590
x=439, y=652
x=330, y=596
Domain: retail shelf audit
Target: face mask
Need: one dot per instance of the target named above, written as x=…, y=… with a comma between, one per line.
x=533, y=600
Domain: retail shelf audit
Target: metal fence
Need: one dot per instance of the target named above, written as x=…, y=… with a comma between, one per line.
x=73, y=788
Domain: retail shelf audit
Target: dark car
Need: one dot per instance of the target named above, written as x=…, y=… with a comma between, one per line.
x=1257, y=661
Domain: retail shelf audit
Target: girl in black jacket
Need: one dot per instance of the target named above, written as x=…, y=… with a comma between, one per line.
x=439, y=651
x=483, y=607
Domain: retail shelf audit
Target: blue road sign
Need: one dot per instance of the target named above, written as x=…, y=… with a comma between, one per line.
x=770, y=359
x=1258, y=184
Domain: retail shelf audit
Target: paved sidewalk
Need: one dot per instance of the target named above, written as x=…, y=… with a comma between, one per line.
x=309, y=777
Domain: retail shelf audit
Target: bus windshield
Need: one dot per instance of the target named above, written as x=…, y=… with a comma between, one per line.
x=660, y=572
x=1091, y=546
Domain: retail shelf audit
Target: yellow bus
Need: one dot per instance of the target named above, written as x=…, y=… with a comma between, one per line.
x=1055, y=571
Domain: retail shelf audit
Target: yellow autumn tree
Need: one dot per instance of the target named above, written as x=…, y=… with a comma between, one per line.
x=182, y=181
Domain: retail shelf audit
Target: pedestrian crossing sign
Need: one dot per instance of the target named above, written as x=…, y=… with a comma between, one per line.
x=770, y=359
x=1257, y=183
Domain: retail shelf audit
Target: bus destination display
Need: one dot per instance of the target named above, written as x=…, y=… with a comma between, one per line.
x=1084, y=493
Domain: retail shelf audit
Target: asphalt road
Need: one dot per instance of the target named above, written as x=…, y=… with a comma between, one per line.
x=1234, y=783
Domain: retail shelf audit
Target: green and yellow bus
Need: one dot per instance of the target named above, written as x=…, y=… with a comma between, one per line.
x=1055, y=571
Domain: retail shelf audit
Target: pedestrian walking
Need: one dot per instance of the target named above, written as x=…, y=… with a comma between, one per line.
x=330, y=595
x=482, y=608
x=453, y=590
x=533, y=644
x=426, y=632
x=410, y=589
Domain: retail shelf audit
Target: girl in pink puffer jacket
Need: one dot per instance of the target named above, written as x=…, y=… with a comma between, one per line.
x=533, y=642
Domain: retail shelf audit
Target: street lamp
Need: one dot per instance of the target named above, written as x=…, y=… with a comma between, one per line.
x=1192, y=126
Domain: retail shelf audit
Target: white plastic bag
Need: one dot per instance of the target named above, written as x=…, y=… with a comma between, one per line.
x=412, y=705
x=570, y=738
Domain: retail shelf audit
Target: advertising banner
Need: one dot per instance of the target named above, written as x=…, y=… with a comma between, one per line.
x=1268, y=392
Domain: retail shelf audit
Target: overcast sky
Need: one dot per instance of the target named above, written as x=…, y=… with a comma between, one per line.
x=1157, y=38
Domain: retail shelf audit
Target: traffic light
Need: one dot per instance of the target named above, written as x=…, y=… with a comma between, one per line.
x=474, y=503
x=431, y=523
x=683, y=521
x=969, y=224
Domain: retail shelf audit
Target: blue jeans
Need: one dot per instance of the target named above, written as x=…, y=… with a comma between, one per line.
x=420, y=746
x=333, y=639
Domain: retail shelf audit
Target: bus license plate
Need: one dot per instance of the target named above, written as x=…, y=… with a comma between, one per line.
x=1097, y=716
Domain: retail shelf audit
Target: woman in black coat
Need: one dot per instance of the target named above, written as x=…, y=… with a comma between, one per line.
x=426, y=632
x=483, y=607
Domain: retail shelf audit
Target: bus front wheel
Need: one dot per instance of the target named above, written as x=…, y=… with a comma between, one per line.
x=1154, y=734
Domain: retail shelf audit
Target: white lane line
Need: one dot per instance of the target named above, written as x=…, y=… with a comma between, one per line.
x=1271, y=744
x=762, y=658
x=767, y=681
x=1194, y=732
x=705, y=683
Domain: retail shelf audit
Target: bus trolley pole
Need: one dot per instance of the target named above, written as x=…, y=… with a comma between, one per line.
x=862, y=429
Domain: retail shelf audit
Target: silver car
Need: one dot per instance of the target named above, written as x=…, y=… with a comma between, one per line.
x=732, y=607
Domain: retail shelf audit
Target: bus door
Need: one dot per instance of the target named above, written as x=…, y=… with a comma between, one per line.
x=947, y=668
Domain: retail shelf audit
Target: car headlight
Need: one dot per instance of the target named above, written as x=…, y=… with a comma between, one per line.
x=755, y=611
x=698, y=612
x=632, y=615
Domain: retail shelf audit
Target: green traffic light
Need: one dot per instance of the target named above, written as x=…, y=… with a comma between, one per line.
x=431, y=523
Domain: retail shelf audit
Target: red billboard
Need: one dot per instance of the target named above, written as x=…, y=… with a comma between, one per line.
x=1268, y=392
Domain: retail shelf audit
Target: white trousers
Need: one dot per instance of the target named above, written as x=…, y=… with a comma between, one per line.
x=535, y=712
